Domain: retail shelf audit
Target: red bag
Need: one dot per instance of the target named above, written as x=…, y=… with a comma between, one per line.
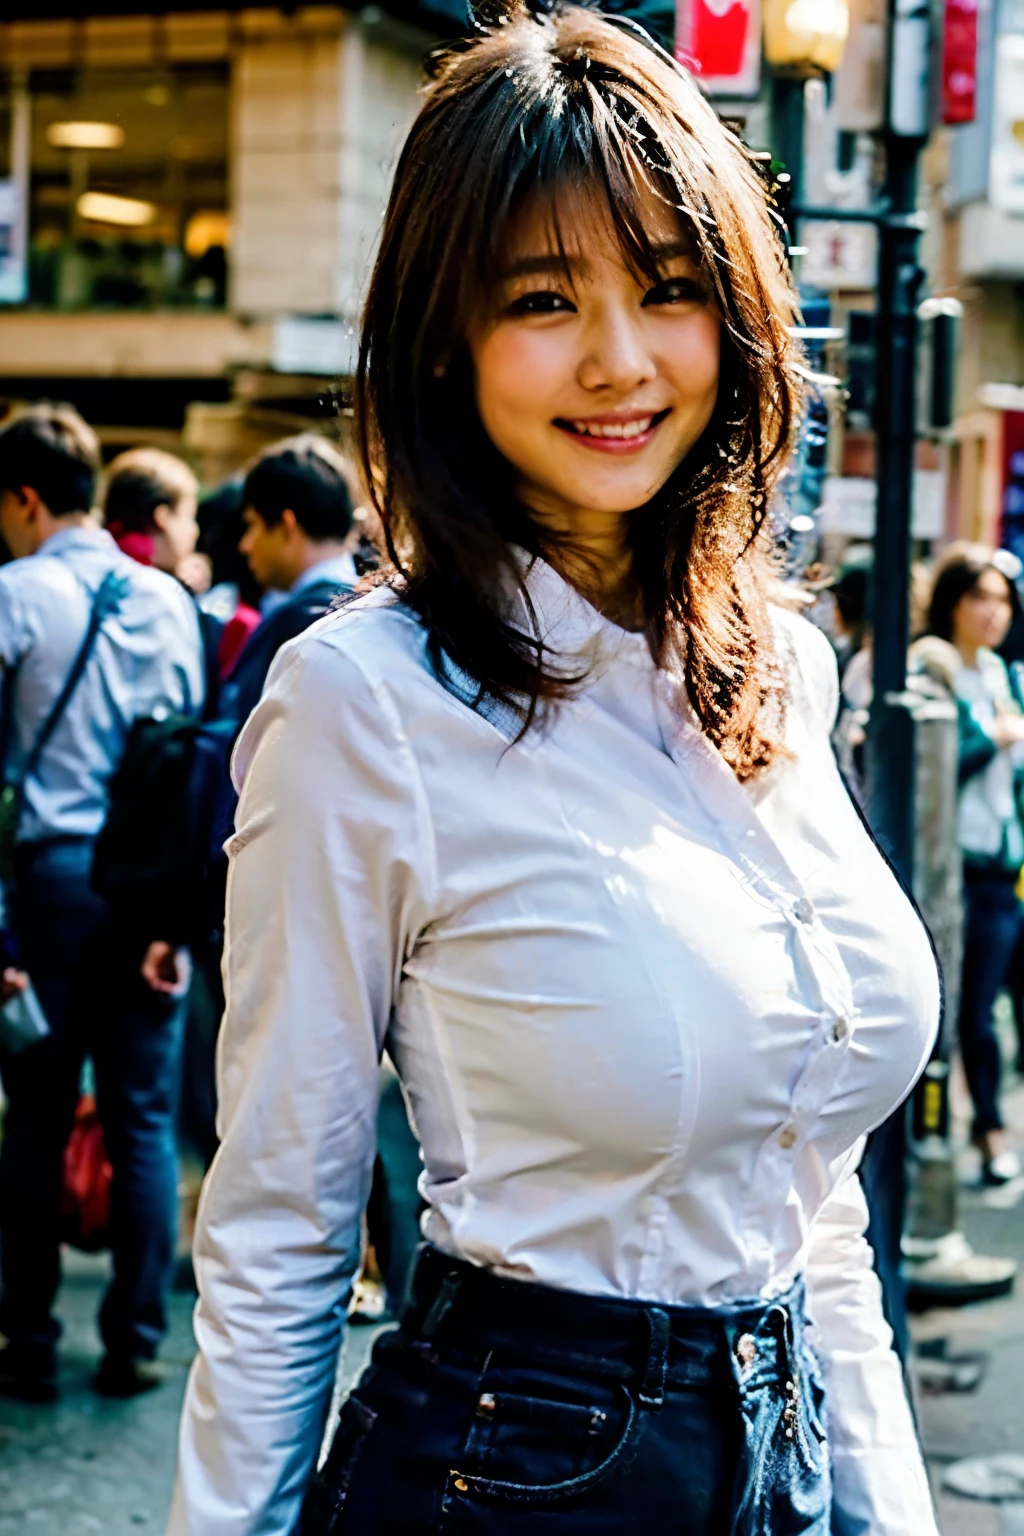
x=85, y=1197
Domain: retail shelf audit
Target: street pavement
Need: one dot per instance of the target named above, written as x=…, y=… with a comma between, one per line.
x=991, y=1419
x=87, y=1464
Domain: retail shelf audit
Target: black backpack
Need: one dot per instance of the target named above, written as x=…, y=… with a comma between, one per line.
x=158, y=856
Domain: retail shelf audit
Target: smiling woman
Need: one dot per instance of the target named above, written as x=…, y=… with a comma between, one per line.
x=581, y=354
x=553, y=815
x=573, y=248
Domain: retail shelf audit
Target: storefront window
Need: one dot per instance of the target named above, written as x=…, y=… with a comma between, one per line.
x=128, y=201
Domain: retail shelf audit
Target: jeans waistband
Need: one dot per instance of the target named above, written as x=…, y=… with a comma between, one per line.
x=457, y=1305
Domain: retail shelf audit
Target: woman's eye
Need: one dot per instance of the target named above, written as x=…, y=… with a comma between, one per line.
x=543, y=302
x=674, y=290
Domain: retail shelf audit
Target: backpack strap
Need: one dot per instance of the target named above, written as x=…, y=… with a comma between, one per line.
x=107, y=600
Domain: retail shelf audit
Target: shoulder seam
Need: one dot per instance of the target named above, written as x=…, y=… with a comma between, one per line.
x=424, y=817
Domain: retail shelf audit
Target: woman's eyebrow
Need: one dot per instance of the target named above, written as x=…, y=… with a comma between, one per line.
x=673, y=250
x=542, y=266
x=549, y=263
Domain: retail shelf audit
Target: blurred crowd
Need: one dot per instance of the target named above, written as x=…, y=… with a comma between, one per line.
x=139, y=620
x=968, y=643
x=138, y=623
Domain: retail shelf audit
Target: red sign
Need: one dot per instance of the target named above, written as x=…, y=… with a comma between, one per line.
x=959, y=61
x=720, y=42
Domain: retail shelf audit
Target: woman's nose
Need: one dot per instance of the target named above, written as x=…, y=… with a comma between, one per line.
x=615, y=355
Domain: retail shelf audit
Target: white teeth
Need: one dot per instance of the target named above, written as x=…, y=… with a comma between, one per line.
x=624, y=429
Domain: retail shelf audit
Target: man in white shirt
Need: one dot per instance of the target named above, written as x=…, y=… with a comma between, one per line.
x=145, y=659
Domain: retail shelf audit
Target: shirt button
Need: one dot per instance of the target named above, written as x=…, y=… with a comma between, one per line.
x=803, y=910
x=787, y=1137
x=840, y=1030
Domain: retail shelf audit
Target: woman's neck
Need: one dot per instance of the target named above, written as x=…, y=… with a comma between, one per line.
x=593, y=554
x=968, y=653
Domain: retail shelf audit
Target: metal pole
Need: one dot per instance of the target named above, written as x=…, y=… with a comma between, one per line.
x=891, y=743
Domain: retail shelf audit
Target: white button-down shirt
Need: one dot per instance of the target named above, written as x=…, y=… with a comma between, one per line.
x=643, y=1015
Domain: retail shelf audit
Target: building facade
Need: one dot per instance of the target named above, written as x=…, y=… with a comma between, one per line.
x=189, y=203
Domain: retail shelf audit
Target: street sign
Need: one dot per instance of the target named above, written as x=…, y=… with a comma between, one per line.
x=909, y=58
x=720, y=42
x=960, y=61
x=1006, y=187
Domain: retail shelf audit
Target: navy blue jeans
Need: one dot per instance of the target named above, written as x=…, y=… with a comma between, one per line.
x=97, y=1005
x=994, y=919
x=501, y=1408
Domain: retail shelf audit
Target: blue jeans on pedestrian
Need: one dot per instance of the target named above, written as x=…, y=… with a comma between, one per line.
x=503, y=1408
x=86, y=974
x=994, y=918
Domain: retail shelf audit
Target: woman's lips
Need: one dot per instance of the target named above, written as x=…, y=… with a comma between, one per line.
x=613, y=434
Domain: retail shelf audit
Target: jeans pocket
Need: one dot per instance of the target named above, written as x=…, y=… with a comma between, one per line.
x=323, y=1512
x=535, y=1451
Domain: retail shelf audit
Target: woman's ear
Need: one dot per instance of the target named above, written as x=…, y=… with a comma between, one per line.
x=162, y=515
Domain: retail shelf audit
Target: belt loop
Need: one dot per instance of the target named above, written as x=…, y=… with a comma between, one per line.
x=441, y=1305
x=652, y=1388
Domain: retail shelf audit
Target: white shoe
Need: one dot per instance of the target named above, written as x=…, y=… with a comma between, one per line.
x=1001, y=1169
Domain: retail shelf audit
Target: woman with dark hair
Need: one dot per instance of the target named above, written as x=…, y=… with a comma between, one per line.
x=552, y=813
x=972, y=605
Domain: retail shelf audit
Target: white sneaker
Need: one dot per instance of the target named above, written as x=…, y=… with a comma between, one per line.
x=1001, y=1169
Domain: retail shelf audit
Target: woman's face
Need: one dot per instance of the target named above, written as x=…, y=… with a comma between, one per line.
x=595, y=384
x=982, y=616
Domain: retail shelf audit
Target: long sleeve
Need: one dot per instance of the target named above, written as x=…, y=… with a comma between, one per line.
x=880, y=1484
x=323, y=902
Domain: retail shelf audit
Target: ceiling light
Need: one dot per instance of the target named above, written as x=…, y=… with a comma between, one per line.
x=106, y=208
x=85, y=135
x=205, y=228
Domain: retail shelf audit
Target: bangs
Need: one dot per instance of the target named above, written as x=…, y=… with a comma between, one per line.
x=563, y=171
x=540, y=129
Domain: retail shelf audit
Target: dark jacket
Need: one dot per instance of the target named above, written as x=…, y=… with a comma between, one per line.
x=242, y=688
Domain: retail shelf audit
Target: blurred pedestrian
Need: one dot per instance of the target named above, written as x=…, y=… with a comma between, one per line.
x=298, y=515
x=971, y=607
x=89, y=641
x=553, y=813
x=851, y=639
x=235, y=594
x=149, y=509
x=292, y=516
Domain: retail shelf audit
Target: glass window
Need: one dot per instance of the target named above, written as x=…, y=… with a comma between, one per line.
x=129, y=189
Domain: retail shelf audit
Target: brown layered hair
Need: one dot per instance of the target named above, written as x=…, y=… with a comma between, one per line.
x=534, y=108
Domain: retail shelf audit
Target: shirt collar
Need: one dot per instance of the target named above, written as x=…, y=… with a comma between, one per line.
x=570, y=627
x=337, y=568
x=67, y=539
